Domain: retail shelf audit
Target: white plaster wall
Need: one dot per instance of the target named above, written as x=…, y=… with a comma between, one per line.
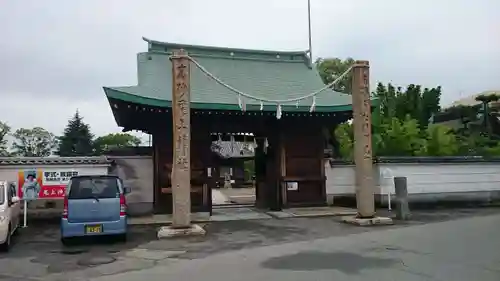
x=439, y=178
x=424, y=178
x=341, y=180
x=136, y=173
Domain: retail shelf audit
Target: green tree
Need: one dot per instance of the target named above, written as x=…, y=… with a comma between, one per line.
x=486, y=110
x=479, y=133
x=429, y=104
x=418, y=104
x=345, y=138
x=493, y=150
x=330, y=69
x=465, y=114
x=386, y=97
x=399, y=138
x=393, y=137
x=77, y=139
x=36, y=142
x=118, y=140
x=441, y=141
x=4, y=132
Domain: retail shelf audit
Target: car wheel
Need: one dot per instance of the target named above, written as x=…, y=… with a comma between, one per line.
x=5, y=246
x=65, y=241
x=122, y=237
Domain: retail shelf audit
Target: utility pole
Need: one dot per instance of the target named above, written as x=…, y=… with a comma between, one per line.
x=310, y=31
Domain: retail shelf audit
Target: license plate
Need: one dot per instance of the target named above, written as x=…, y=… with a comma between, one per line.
x=93, y=228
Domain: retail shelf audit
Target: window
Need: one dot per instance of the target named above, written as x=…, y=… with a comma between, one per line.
x=94, y=187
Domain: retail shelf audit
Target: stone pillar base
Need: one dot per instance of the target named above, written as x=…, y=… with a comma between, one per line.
x=367, y=221
x=171, y=232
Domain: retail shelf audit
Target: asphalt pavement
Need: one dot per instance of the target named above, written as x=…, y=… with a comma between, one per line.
x=37, y=253
x=465, y=249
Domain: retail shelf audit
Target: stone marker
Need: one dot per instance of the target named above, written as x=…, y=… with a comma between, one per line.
x=402, y=206
x=365, y=187
x=361, y=111
x=181, y=170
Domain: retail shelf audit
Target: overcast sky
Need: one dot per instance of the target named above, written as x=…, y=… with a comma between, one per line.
x=55, y=55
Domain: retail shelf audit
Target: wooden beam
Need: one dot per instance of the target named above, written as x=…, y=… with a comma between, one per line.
x=181, y=171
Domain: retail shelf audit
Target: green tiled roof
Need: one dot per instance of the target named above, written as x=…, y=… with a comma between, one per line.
x=266, y=74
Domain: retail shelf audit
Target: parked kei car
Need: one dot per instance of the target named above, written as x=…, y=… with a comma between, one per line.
x=10, y=210
x=94, y=205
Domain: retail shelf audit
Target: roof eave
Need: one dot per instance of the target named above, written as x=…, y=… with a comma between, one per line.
x=115, y=113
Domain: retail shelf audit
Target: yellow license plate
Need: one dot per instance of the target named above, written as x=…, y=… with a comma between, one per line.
x=93, y=229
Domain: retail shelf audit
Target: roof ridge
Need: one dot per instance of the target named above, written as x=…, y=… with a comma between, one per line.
x=303, y=60
x=215, y=48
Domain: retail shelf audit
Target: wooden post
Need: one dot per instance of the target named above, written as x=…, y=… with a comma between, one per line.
x=361, y=106
x=260, y=171
x=181, y=170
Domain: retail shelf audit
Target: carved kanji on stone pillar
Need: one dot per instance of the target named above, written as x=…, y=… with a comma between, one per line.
x=181, y=171
x=361, y=106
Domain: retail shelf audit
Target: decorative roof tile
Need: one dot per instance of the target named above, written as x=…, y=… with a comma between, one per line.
x=5, y=161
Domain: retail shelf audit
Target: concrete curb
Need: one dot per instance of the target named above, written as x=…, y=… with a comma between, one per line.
x=284, y=214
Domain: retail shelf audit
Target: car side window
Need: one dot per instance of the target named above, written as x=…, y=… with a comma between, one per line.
x=12, y=190
x=9, y=195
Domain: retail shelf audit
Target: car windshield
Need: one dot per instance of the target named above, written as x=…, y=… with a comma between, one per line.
x=93, y=187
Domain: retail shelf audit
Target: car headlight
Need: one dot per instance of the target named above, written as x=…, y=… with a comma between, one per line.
x=3, y=218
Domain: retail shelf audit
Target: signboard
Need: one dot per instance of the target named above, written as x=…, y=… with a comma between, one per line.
x=292, y=186
x=46, y=184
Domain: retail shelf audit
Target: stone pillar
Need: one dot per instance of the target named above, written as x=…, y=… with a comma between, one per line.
x=402, y=205
x=361, y=106
x=181, y=113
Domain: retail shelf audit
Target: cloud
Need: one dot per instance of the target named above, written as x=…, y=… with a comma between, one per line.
x=57, y=54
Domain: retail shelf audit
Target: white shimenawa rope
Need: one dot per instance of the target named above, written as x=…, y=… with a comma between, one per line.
x=278, y=102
